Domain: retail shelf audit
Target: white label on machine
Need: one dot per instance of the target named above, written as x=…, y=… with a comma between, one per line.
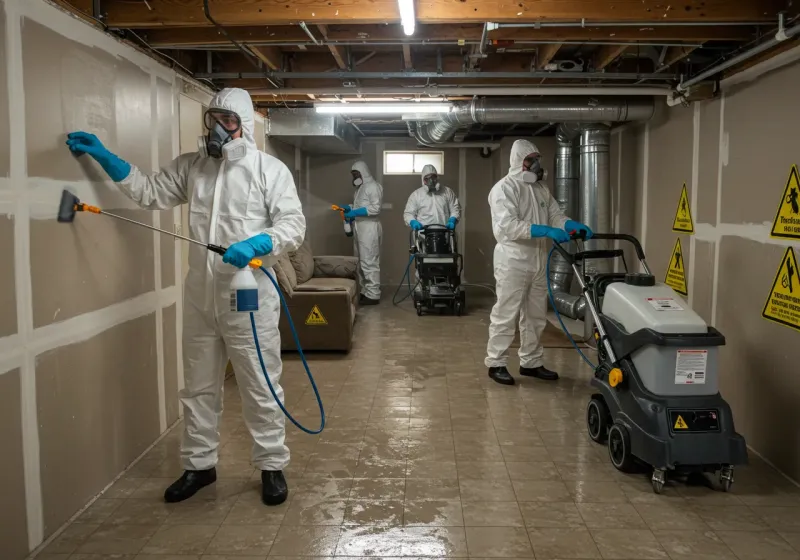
x=690, y=367
x=664, y=304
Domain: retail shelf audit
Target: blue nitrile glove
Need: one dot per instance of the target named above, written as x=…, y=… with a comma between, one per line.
x=86, y=143
x=558, y=235
x=572, y=225
x=357, y=213
x=241, y=253
x=415, y=225
x=451, y=223
x=346, y=207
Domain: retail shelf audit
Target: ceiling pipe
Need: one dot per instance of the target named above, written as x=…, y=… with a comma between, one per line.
x=305, y=28
x=781, y=36
x=347, y=75
x=439, y=91
x=521, y=110
x=645, y=24
x=491, y=146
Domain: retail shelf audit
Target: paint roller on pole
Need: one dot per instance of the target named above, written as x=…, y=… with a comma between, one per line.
x=71, y=204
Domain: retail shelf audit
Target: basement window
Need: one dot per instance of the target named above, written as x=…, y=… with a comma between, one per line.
x=411, y=163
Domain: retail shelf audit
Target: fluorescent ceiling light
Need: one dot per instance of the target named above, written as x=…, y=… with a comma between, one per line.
x=384, y=108
x=407, y=15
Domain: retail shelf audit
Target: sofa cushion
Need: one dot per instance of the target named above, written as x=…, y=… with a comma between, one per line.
x=335, y=267
x=303, y=262
x=329, y=285
x=285, y=274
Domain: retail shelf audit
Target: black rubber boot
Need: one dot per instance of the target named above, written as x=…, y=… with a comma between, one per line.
x=364, y=300
x=274, y=489
x=540, y=372
x=501, y=375
x=189, y=484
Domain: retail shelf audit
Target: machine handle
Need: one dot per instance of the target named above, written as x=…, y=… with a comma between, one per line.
x=220, y=250
x=599, y=254
x=623, y=237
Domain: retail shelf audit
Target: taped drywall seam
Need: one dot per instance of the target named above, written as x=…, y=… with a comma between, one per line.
x=22, y=254
x=75, y=29
x=645, y=183
x=57, y=533
x=693, y=195
x=462, y=198
x=157, y=238
x=720, y=164
x=176, y=219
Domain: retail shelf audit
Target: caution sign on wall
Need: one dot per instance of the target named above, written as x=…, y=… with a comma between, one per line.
x=676, y=271
x=787, y=218
x=683, y=222
x=316, y=318
x=783, y=303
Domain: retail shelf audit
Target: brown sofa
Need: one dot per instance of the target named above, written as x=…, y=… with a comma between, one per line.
x=322, y=294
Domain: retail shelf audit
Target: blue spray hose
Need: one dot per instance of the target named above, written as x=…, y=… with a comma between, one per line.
x=406, y=276
x=302, y=357
x=558, y=315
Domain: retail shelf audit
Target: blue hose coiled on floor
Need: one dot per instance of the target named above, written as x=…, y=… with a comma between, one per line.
x=558, y=315
x=302, y=357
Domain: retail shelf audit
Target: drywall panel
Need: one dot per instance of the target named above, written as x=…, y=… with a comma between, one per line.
x=165, y=106
x=330, y=183
x=761, y=123
x=640, y=177
x=191, y=123
x=89, y=264
x=260, y=135
x=6, y=132
x=629, y=201
x=702, y=289
x=480, y=242
x=13, y=516
x=8, y=300
x=669, y=166
x=708, y=162
x=69, y=87
x=168, y=248
x=97, y=405
x=169, y=317
x=758, y=365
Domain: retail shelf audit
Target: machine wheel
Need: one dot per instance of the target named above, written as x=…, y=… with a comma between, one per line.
x=458, y=308
x=619, y=448
x=658, y=480
x=597, y=418
x=419, y=309
x=726, y=478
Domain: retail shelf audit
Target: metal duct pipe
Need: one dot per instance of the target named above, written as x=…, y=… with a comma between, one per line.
x=521, y=110
x=439, y=91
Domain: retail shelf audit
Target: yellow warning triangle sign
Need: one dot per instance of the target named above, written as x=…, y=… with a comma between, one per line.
x=680, y=424
x=315, y=317
x=676, y=270
x=683, y=222
x=783, y=303
x=787, y=219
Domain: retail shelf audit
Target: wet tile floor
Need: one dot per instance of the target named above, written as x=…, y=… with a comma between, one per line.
x=424, y=456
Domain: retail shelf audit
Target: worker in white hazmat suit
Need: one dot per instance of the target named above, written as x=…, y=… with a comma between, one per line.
x=364, y=214
x=432, y=203
x=524, y=216
x=245, y=200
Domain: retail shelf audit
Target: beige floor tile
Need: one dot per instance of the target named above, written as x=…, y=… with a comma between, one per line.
x=730, y=518
x=371, y=541
x=602, y=515
x=470, y=469
x=541, y=491
x=200, y=512
x=118, y=539
x=762, y=545
x=442, y=542
x=180, y=539
x=591, y=491
x=670, y=518
x=70, y=539
x=525, y=453
x=486, y=490
x=249, y=510
x=431, y=469
x=786, y=519
x=550, y=514
x=694, y=545
x=387, y=513
x=563, y=543
x=376, y=468
x=519, y=437
x=252, y=540
x=432, y=489
x=628, y=543
x=305, y=541
x=99, y=511
x=532, y=471
x=151, y=489
x=498, y=542
x=594, y=472
x=323, y=513
x=378, y=489
x=492, y=514
x=433, y=513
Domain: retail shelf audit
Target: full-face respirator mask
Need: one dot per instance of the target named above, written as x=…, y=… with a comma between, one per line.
x=222, y=126
x=357, y=179
x=532, y=170
x=432, y=182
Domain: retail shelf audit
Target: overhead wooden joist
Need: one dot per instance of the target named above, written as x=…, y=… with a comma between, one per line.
x=606, y=55
x=338, y=54
x=545, y=54
x=123, y=13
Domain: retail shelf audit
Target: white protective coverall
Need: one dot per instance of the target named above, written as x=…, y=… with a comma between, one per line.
x=431, y=207
x=520, y=261
x=368, y=232
x=230, y=199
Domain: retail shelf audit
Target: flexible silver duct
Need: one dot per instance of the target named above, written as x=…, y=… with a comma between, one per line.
x=532, y=110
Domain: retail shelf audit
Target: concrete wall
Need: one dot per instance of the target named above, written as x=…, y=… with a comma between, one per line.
x=465, y=171
x=734, y=153
x=90, y=311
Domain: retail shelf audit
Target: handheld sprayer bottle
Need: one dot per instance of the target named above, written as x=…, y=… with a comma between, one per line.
x=244, y=291
x=348, y=227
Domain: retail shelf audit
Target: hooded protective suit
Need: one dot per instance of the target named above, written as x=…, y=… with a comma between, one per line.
x=368, y=232
x=431, y=207
x=242, y=194
x=520, y=261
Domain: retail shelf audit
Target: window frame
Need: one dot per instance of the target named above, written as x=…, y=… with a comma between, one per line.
x=439, y=168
